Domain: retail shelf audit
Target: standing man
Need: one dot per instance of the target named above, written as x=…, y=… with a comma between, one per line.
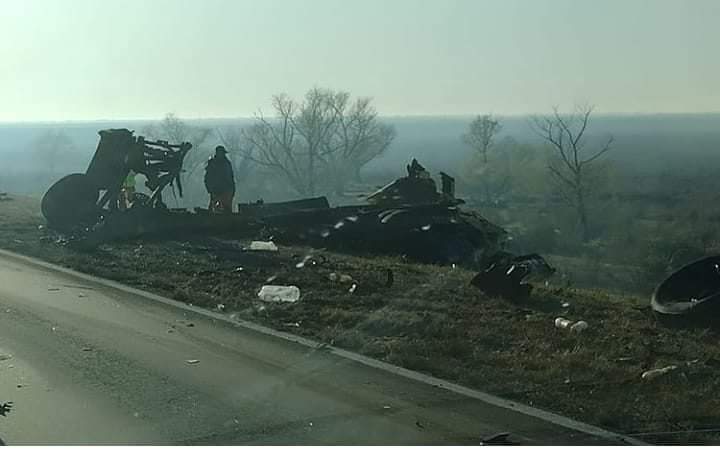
x=219, y=181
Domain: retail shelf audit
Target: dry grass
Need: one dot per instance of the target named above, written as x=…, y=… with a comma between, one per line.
x=432, y=321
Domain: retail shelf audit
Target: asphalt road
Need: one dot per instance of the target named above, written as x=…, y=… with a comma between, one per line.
x=89, y=363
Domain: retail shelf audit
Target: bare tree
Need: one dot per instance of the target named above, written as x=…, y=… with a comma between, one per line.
x=358, y=138
x=324, y=134
x=481, y=133
x=566, y=136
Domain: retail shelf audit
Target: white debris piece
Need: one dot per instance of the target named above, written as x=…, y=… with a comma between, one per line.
x=345, y=279
x=333, y=277
x=263, y=246
x=579, y=326
x=562, y=323
x=279, y=293
x=654, y=373
x=192, y=362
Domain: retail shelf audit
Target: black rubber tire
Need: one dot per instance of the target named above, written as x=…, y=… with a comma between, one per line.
x=70, y=203
x=690, y=295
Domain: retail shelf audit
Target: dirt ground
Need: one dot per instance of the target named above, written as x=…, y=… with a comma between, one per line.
x=428, y=318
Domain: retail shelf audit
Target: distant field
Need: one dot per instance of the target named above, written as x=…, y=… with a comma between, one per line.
x=431, y=320
x=645, y=143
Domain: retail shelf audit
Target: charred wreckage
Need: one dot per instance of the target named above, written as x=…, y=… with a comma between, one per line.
x=407, y=217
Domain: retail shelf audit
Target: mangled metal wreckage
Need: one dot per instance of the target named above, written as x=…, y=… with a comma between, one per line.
x=407, y=217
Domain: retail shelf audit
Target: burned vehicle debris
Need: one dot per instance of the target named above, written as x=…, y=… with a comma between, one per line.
x=509, y=277
x=408, y=217
x=81, y=200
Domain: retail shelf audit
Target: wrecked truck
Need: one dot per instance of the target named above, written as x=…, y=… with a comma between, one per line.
x=408, y=217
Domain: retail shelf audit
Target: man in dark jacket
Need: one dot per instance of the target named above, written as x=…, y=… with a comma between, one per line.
x=219, y=181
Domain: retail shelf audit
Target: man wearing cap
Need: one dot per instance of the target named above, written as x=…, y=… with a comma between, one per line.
x=219, y=181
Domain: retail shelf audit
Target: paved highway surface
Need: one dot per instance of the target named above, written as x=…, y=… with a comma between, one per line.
x=94, y=364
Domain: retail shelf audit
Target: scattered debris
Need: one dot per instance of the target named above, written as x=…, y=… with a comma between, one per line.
x=419, y=425
x=333, y=277
x=279, y=293
x=390, y=279
x=220, y=307
x=238, y=269
x=579, y=326
x=565, y=305
x=386, y=407
x=302, y=263
x=82, y=295
x=5, y=408
x=507, y=276
x=345, y=279
x=186, y=323
x=655, y=373
x=498, y=438
x=263, y=246
x=192, y=361
x=352, y=288
x=296, y=324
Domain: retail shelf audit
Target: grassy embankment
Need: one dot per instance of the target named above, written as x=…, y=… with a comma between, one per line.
x=431, y=320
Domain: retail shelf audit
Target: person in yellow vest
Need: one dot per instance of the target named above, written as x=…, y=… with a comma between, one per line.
x=127, y=192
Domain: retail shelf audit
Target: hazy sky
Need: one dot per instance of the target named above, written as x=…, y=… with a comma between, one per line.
x=92, y=59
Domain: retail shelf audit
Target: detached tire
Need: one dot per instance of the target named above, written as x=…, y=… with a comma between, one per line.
x=690, y=295
x=70, y=203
